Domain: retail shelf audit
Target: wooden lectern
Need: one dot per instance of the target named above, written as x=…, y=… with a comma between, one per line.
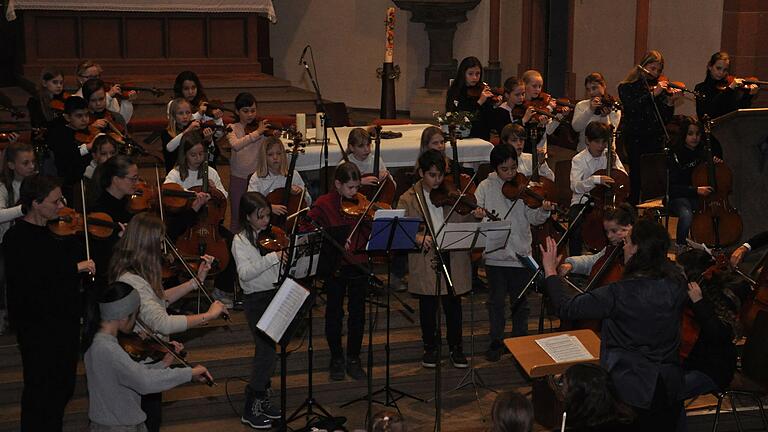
x=743, y=134
x=539, y=366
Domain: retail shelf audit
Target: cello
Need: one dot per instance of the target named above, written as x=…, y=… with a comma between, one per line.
x=606, y=197
x=203, y=237
x=387, y=194
x=284, y=195
x=716, y=223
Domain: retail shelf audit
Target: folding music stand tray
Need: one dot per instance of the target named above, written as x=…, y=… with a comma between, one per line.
x=539, y=367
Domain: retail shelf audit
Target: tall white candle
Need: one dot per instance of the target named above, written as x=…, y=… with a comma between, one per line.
x=320, y=126
x=389, y=51
x=301, y=124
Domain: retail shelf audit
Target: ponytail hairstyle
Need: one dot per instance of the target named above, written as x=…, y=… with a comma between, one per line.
x=104, y=174
x=459, y=85
x=178, y=86
x=111, y=293
x=8, y=175
x=251, y=202
x=138, y=251
x=188, y=141
x=42, y=94
x=720, y=55
x=262, y=168
x=652, y=56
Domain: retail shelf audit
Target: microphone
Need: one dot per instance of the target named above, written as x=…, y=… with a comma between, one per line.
x=303, y=53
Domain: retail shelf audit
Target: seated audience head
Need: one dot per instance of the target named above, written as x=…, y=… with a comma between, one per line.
x=511, y=412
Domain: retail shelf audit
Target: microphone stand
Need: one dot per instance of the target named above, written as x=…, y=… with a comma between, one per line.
x=320, y=107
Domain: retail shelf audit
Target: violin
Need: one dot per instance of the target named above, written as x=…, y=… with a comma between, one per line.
x=270, y=130
x=608, y=104
x=69, y=222
x=359, y=205
x=57, y=102
x=477, y=90
x=272, y=239
x=678, y=85
x=284, y=195
x=716, y=223
x=144, y=198
x=213, y=105
x=387, y=194
x=725, y=83
x=175, y=198
x=606, y=197
x=534, y=190
x=126, y=88
x=143, y=350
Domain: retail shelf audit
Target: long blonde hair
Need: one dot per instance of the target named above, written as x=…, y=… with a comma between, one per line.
x=173, y=127
x=138, y=251
x=652, y=56
x=262, y=168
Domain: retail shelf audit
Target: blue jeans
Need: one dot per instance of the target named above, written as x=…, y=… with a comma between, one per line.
x=683, y=208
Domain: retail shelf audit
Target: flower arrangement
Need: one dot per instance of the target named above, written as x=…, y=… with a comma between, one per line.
x=462, y=120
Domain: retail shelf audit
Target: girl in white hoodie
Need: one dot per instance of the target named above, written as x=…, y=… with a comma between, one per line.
x=506, y=274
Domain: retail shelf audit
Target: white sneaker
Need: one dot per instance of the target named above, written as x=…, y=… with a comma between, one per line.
x=224, y=297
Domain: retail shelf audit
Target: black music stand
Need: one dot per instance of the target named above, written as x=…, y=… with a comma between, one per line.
x=388, y=234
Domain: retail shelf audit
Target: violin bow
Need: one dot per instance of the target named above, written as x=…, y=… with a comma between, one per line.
x=192, y=275
x=456, y=203
x=365, y=213
x=85, y=227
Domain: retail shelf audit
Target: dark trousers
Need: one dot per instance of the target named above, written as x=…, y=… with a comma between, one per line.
x=636, y=147
x=49, y=378
x=152, y=405
x=503, y=282
x=263, y=365
x=575, y=242
x=354, y=285
x=428, y=320
x=683, y=208
x=663, y=414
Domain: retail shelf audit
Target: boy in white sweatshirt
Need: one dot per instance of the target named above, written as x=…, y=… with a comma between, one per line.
x=506, y=274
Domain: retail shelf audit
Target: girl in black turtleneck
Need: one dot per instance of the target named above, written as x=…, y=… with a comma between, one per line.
x=462, y=96
x=720, y=98
x=687, y=153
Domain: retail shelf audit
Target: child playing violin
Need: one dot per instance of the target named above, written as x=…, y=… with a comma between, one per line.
x=180, y=121
x=137, y=261
x=115, y=381
x=534, y=83
x=89, y=70
x=44, y=303
x=71, y=156
x=583, y=166
x=246, y=148
x=101, y=118
x=513, y=134
x=722, y=93
x=188, y=86
x=617, y=223
x=642, y=130
x=271, y=172
x=104, y=147
x=513, y=109
x=506, y=274
x=258, y=273
x=468, y=93
x=360, y=154
x=349, y=279
x=593, y=108
x=684, y=198
x=416, y=202
x=48, y=104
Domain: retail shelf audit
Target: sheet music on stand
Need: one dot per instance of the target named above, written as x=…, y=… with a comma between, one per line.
x=307, y=251
x=282, y=309
x=491, y=236
x=564, y=348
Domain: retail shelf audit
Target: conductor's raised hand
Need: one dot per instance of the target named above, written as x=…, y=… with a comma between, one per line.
x=549, y=257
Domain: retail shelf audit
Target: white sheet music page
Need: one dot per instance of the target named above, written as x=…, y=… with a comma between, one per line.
x=564, y=348
x=283, y=308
